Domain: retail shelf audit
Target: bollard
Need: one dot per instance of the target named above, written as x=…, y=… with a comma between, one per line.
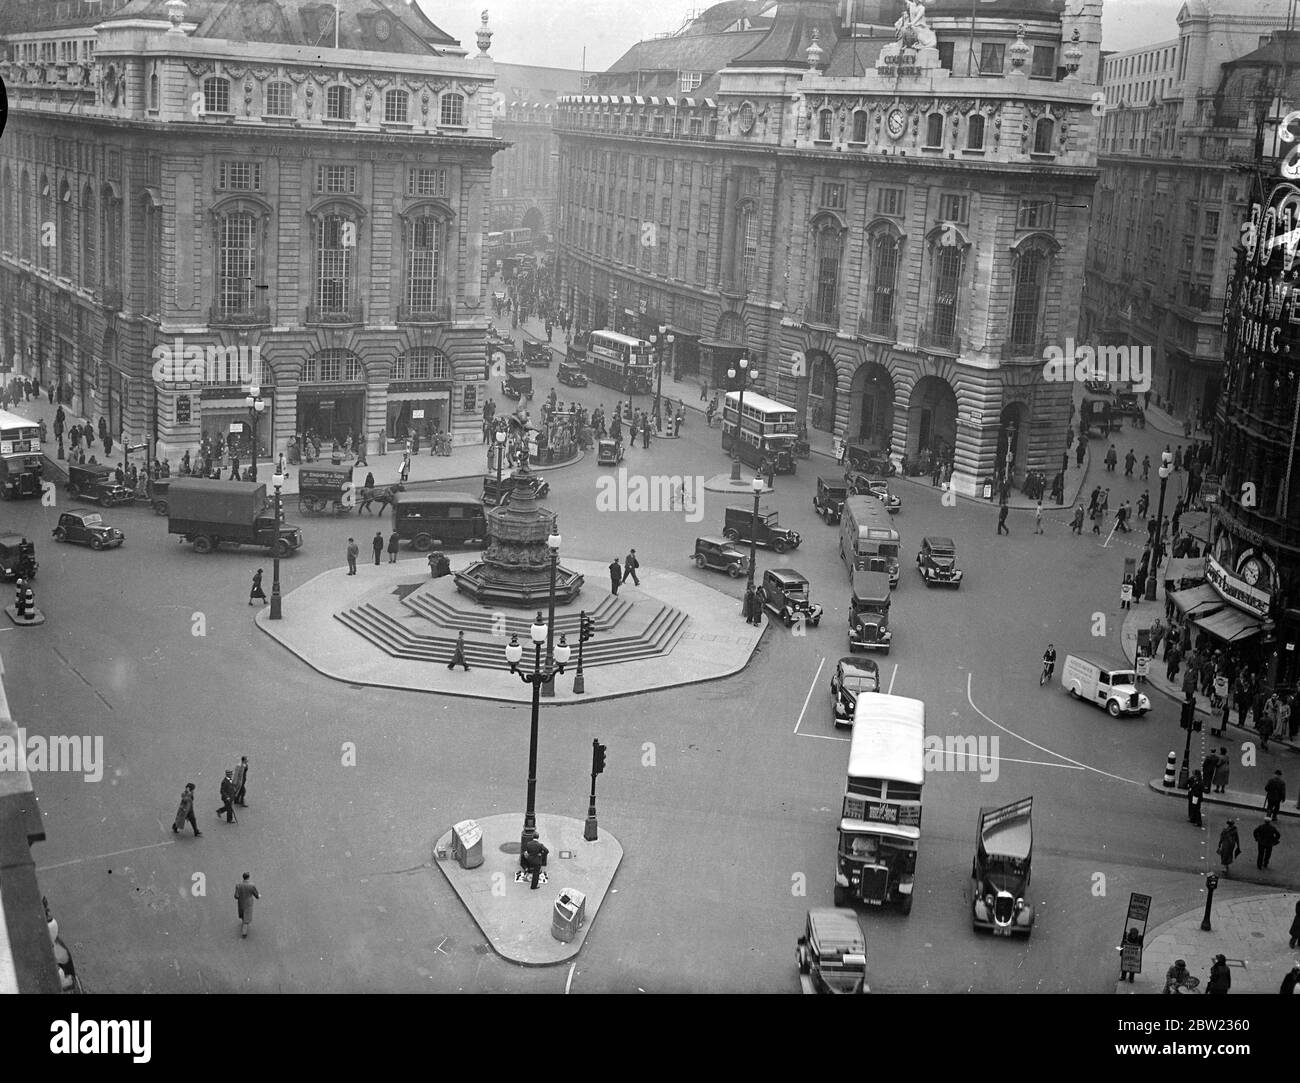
x=20, y=600
x=1170, y=766
x=1211, y=882
x=29, y=604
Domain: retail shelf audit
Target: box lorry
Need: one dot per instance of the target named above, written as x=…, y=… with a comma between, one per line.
x=213, y=513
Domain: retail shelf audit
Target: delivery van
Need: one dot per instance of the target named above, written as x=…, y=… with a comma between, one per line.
x=1112, y=685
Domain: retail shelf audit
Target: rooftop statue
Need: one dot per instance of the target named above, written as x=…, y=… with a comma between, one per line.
x=913, y=30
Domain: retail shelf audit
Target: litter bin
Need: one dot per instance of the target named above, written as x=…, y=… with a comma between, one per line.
x=570, y=912
x=467, y=844
x=987, y=485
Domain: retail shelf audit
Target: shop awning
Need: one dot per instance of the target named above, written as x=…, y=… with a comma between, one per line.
x=1181, y=568
x=1198, y=601
x=1230, y=624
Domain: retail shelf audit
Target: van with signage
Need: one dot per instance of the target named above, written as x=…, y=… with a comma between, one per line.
x=1112, y=685
x=442, y=519
x=868, y=540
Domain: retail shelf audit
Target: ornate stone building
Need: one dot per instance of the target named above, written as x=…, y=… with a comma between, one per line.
x=884, y=206
x=288, y=200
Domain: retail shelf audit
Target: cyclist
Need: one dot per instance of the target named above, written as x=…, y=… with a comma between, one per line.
x=1049, y=664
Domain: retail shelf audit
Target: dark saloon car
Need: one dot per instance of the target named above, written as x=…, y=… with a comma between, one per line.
x=852, y=676
x=571, y=374
x=17, y=557
x=720, y=555
x=788, y=598
x=87, y=528
x=859, y=484
x=99, y=483
x=537, y=354
x=829, y=501
x=937, y=562
x=738, y=525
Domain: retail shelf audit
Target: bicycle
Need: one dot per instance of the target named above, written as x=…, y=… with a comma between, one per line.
x=1049, y=667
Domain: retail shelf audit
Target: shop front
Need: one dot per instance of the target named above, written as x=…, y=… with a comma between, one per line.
x=331, y=411
x=717, y=356
x=226, y=428
x=420, y=406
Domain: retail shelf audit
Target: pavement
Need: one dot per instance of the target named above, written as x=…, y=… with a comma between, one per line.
x=1252, y=931
x=516, y=920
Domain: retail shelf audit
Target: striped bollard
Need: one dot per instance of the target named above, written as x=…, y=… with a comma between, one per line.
x=1170, y=767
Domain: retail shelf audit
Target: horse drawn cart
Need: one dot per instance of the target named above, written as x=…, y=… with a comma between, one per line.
x=319, y=487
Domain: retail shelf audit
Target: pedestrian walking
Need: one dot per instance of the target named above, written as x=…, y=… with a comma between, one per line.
x=185, y=812
x=760, y=603
x=1129, y=461
x=257, y=591
x=354, y=551
x=1208, y=766
x=458, y=654
x=1095, y=516
x=630, y=565
x=704, y=391
x=1294, y=931
x=1274, y=794
x=1146, y=467
x=1220, y=977
x=1143, y=504
x=1222, y=771
x=1195, y=792
x=1266, y=836
x=1002, y=520
x=377, y=544
x=405, y=472
x=747, y=607
x=1076, y=525
x=1038, y=516
x=245, y=892
x=1229, y=847
x=615, y=576
x=1126, y=592
x=1178, y=458
x=1111, y=459
x=241, y=782
x=645, y=433
x=1080, y=450
x=228, y=792
x=394, y=541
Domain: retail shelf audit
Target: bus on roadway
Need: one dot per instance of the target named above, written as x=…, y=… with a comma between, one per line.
x=768, y=430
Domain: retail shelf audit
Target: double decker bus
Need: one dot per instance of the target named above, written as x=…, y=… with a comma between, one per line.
x=880, y=819
x=21, y=462
x=768, y=430
x=621, y=362
x=868, y=539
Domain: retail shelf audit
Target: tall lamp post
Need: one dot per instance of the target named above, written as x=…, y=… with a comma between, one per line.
x=277, y=481
x=742, y=372
x=666, y=340
x=757, y=485
x=1158, y=542
x=514, y=652
x=553, y=544
x=253, y=400
x=500, y=438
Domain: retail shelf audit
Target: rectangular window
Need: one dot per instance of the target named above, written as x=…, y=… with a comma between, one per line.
x=336, y=179
x=705, y=214
x=1211, y=223
x=1207, y=261
x=691, y=80
x=889, y=202
x=1044, y=64
x=424, y=264
x=833, y=195
x=238, y=262
x=661, y=262
x=636, y=168
x=681, y=263
x=1036, y=214
x=239, y=176
x=338, y=103
x=945, y=55
x=395, y=107
x=334, y=264
x=684, y=213
x=453, y=110
x=992, y=58
x=954, y=209
x=702, y=267
x=279, y=99
x=426, y=182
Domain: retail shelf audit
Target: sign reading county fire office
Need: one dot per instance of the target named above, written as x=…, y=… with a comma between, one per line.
x=1266, y=306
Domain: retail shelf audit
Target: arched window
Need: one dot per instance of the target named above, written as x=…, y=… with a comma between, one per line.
x=860, y=126
x=335, y=251
x=1030, y=279
x=331, y=367
x=883, y=254
x=338, y=103
x=153, y=92
x=279, y=99
x=67, y=239
x=747, y=236
x=89, y=233
x=216, y=94
x=975, y=132
x=45, y=226
x=934, y=130
x=237, y=244
x=825, y=123
x=422, y=363
x=1044, y=129
x=10, y=220
x=947, y=293
x=453, y=110
x=395, y=107
x=425, y=244
x=829, y=248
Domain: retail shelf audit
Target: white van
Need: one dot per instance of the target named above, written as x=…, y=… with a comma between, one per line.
x=1107, y=684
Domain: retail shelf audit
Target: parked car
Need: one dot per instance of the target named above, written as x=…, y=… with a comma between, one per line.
x=87, y=528
x=937, y=562
x=17, y=557
x=852, y=676
x=832, y=953
x=738, y=525
x=537, y=354
x=98, y=483
x=869, y=460
x=787, y=597
x=497, y=493
x=829, y=501
x=571, y=374
x=859, y=484
x=721, y=555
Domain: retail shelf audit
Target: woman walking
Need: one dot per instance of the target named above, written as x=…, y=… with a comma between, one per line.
x=1229, y=845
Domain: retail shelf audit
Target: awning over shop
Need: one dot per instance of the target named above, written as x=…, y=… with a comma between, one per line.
x=1199, y=601
x=1181, y=568
x=1230, y=624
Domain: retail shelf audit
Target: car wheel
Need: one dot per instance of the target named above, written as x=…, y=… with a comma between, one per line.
x=60, y=535
x=841, y=896
x=884, y=650
x=905, y=906
x=105, y=501
x=700, y=562
x=735, y=571
x=160, y=507
x=96, y=542
x=422, y=542
x=73, y=490
x=779, y=545
x=731, y=534
x=1112, y=708
x=203, y=544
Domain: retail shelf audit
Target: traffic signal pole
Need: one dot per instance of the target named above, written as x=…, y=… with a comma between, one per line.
x=586, y=628
x=589, y=832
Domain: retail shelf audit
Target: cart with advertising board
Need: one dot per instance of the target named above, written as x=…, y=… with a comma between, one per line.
x=323, y=489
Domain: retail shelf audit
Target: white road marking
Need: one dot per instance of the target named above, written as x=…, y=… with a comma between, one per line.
x=569, y=980
x=824, y=736
x=808, y=698
x=98, y=857
x=438, y=948
x=1041, y=748
x=892, y=678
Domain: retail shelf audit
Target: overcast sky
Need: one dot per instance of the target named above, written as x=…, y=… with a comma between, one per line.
x=553, y=33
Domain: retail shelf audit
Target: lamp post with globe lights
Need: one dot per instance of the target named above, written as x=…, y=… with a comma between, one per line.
x=665, y=342
x=500, y=439
x=757, y=485
x=740, y=372
x=1158, y=542
x=256, y=404
x=277, y=481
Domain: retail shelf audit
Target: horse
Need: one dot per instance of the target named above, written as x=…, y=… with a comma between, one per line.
x=384, y=494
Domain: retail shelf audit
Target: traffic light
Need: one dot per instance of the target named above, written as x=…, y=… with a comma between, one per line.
x=597, y=757
x=587, y=628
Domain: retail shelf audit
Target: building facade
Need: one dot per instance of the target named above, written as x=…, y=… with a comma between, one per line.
x=199, y=198
x=1176, y=130
x=883, y=206
x=525, y=174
